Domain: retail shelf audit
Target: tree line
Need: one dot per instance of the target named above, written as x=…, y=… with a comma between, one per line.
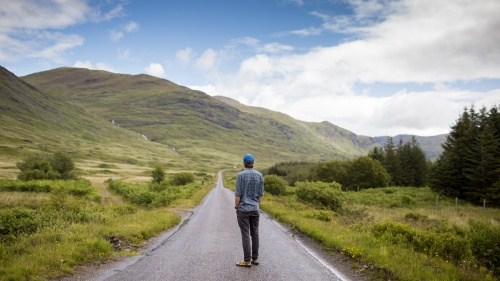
x=469, y=167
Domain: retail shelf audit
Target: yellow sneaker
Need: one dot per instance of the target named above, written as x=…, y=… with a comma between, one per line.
x=244, y=264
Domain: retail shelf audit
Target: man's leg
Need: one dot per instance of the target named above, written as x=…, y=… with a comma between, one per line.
x=254, y=232
x=244, y=223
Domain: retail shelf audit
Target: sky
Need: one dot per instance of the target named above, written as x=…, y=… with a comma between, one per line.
x=374, y=67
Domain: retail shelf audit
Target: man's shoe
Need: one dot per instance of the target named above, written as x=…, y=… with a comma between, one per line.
x=256, y=262
x=244, y=264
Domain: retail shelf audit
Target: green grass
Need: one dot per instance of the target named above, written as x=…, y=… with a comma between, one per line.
x=49, y=228
x=415, y=240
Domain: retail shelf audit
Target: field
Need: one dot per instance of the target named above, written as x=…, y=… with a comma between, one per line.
x=49, y=228
x=399, y=233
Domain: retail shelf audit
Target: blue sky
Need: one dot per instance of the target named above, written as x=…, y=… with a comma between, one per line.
x=374, y=67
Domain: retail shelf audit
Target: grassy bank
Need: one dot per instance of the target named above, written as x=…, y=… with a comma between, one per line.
x=399, y=233
x=49, y=228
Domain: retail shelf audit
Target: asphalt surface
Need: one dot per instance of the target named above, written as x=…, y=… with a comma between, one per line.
x=208, y=246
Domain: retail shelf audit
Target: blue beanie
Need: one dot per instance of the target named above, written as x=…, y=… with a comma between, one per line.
x=248, y=158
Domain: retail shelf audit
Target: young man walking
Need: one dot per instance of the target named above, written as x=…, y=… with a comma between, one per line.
x=249, y=192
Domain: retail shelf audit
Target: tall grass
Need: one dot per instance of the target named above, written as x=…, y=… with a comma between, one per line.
x=48, y=228
x=398, y=233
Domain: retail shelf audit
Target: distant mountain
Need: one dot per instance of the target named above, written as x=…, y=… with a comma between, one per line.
x=430, y=145
x=212, y=132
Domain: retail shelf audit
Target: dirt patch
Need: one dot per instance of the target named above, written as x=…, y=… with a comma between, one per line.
x=107, y=197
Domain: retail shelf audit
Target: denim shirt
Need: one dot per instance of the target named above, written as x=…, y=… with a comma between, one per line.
x=249, y=187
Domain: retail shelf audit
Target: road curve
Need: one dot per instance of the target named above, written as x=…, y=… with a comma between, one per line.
x=208, y=246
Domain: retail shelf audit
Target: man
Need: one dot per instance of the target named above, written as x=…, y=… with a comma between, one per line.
x=249, y=192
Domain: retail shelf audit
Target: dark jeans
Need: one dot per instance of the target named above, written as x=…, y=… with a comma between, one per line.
x=249, y=226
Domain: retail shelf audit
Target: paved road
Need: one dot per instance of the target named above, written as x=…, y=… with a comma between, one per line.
x=208, y=246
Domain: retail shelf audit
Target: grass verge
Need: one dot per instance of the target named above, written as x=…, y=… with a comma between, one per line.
x=48, y=229
x=394, y=236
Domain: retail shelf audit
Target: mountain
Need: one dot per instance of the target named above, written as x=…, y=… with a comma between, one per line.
x=430, y=145
x=32, y=120
x=139, y=120
x=198, y=126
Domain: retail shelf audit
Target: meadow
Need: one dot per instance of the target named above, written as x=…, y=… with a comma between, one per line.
x=49, y=228
x=398, y=233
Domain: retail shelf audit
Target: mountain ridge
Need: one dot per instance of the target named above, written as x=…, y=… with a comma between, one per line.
x=204, y=130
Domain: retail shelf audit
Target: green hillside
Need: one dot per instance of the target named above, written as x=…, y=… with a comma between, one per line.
x=199, y=127
x=132, y=122
x=33, y=121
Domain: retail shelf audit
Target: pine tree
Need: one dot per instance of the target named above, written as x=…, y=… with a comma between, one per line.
x=419, y=163
x=391, y=162
x=377, y=153
x=450, y=172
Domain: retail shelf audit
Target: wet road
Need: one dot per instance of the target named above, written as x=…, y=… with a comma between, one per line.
x=208, y=246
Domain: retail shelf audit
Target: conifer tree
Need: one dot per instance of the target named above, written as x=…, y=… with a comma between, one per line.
x=469, y=166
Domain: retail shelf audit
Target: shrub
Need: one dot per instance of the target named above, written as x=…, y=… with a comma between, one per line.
x=182, y=179
x=158, y=187
x=327, y=195
x=274, y=185
x=485, y=244
x=322, y=215
x=18, y=220
x=449, y=245
x=416, y=217
x=408, y=200
x=158, y=174
x=62, y=164
x=38, y=167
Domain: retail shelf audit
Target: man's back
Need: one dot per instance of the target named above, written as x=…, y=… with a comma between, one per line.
x=249, y=187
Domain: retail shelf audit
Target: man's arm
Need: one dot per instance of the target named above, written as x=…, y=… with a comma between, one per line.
x=236, y=201
x=260, y=198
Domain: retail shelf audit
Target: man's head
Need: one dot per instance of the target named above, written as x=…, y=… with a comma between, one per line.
x=248, y=160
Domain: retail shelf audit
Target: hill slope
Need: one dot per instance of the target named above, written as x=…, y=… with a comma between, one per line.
x=201, y=128
x=31, y=120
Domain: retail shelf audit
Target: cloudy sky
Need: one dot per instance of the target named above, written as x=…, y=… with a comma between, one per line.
x=374, y=67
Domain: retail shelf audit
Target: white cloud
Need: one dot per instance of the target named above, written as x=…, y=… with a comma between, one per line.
x=98, y=66
x=123, y=54
x=102, y=13
x=207, y=89
x=275, y=48
x=131, y=26
x=117, y=35
x=27, y=27
x=295, y=2
x=184, y=55
x=398, y=42
x=33, y=14
x=207, y=61
x=155, y=69
x=38, y=44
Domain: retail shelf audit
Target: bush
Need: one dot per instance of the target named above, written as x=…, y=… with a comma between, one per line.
x=63, y=165
x=449, y=245
x=39, y=167
x=416, y=217
x=274, y=185
x=155, y=195
x=158, y=174
x=182, y=179
x=485, y=244
x=18, y=220
x=327, y=195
